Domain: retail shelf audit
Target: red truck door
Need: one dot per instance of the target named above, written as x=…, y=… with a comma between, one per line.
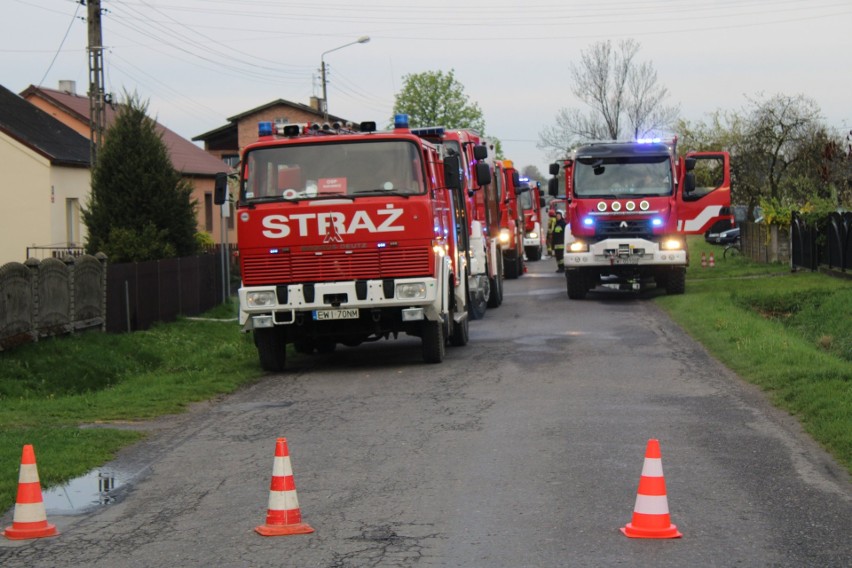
x=704, y=191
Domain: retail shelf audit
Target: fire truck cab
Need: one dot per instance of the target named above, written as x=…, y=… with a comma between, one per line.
x=350, y=235
x=630, y=204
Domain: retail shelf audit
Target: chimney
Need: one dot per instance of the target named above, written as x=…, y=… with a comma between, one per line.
x=316, y=104
x=69, y=87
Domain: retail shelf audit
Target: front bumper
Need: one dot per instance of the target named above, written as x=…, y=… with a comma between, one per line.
x=626, y=252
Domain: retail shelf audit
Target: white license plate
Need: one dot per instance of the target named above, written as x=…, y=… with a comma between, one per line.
x=628, y=260
x=322, y=315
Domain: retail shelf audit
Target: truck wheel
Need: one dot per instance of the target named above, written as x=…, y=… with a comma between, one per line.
x=676, y=281
x=510, y=266
x=496, y=296
x=433, y=341
x=575, y=281
x=533, y=253
x=477, y=296
x=461, y=333
x=271, y=346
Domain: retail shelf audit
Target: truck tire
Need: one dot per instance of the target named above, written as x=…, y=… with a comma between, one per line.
x=495, y=298
x=533, y=253
x=271, y=346
x=478, y=296
x=510, y=265
x=676, y=281
x=433, y=341
x=576, y=282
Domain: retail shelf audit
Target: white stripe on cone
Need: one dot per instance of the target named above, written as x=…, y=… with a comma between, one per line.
x=29, y=513
x=652, y=505
x=653, y=467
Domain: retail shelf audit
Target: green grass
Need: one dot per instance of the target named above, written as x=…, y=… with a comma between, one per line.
x=788, y=332
x=49, y=389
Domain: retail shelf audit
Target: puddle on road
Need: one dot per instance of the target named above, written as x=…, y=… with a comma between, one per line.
x=82, y=494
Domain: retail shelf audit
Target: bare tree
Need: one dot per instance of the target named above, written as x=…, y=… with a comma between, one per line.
x=624, y=98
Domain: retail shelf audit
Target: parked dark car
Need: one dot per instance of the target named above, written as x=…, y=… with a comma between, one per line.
x=723, y=238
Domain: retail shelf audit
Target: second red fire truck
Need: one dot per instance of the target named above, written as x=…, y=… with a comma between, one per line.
x=347, y=236
x=630, y=205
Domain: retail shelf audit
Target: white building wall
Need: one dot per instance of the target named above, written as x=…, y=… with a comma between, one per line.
x=33, y=194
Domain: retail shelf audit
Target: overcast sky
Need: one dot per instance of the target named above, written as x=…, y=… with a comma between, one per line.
x=198, y=62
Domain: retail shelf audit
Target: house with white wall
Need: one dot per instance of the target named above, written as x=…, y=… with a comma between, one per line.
x=46, y=181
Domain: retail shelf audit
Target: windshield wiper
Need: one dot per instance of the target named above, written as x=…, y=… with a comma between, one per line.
x=381, y=192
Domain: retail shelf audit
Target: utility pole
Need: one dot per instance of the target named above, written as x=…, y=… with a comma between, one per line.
x=97, y=110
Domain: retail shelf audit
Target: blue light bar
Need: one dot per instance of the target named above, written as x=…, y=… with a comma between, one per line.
x=429, y=131
x=264, y=128
x=648, y=140
x=400, y=121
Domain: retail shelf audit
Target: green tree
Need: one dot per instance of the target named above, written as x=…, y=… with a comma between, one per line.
x=140, y=208
x=780, y=150
x=435, y=98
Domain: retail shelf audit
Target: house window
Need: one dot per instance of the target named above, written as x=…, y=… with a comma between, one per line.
x=232, y=160
x=72, y=222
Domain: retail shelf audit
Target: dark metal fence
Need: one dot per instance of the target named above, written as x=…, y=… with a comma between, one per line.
x=142, y=293
x=826, y=244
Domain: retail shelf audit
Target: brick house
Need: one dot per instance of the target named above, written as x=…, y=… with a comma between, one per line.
x=227, y=141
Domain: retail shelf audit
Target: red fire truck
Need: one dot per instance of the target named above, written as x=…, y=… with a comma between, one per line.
x=511, y=237
x=630, y=205
x=484, y=256
x=531, y=203
x=350, y=236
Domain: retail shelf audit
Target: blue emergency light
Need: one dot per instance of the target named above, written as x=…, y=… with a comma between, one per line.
x=264, y=128
x=657, y=222
x=588, y=221
x=400, y=121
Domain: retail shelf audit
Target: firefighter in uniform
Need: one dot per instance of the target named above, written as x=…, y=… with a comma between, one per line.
x=559, y=241
x=551, y=222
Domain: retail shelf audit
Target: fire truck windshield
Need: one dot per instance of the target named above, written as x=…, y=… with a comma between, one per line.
x=646, y=176
x=525, y=200
x=325, y=170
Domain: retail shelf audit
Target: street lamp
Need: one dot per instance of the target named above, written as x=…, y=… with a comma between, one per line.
x=362, y=39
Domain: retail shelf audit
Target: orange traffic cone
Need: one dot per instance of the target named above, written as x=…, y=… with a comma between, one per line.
x=30, y=519
x=703, y=260
x=712, y=262
x=283, y=515
x=651, y=512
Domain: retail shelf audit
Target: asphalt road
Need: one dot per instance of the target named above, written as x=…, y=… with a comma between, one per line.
x=522, y=449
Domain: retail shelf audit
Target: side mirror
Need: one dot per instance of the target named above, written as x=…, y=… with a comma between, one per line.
x=690, y=164
x=541, y=202
x=689, y=183
x=452, y=172
x=480, y=152
x=220, y=189
x=553, y=186
x=554, y=169
x=516, y=178
x=483, y=173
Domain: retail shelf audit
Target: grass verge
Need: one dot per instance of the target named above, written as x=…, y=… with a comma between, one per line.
x=48, y=389
x=790, y=333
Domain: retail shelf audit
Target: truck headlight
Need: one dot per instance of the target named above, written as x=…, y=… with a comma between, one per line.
x=505, y=236
x=260, y=299
x=672, y=244
x=578, y=246
x=532, y=235
x=411, y=291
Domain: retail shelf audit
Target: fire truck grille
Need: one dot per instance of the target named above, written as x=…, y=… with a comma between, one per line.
x=330, y=266
x=636, y=228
